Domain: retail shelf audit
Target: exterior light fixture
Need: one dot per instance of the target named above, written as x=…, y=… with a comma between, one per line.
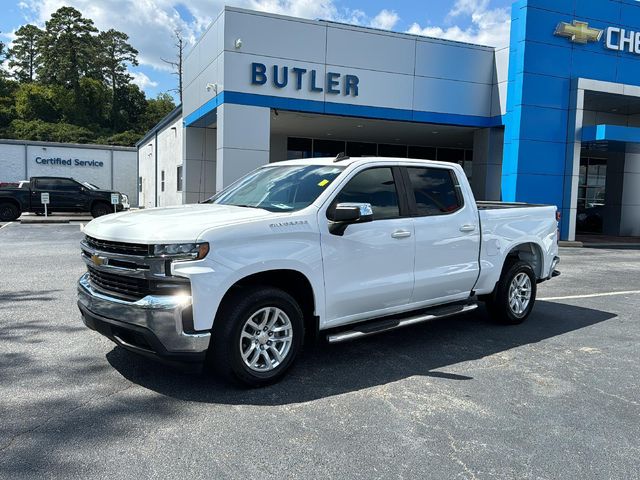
x=238, y=43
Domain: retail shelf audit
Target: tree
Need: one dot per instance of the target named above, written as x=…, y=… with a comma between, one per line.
x=176, y=65
x=36, y=102
x=115, y=54
x=157, y=109
x=3, y=57
x=50, y=132
x=24, y=55
x=68, y=48
x=7, y=103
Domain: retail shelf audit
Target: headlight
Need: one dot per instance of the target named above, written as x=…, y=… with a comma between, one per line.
x=191, y=251
x=124, y=198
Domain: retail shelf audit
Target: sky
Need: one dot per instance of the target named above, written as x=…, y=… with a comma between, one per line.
x=150, y=23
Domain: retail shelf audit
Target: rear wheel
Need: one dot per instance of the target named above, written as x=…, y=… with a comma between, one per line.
x=256, y=336
x=9, y=212
x=515, y=294
x=100, y=209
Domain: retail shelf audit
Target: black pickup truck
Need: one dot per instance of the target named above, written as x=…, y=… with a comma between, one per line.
x=65, y=195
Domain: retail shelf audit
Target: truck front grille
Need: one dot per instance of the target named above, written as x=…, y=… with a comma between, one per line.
x=132, y=289
x=138, y=249
x=120, y=286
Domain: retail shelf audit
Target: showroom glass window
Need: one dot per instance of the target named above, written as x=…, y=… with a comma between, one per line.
x=436, y=191
x=375, y=186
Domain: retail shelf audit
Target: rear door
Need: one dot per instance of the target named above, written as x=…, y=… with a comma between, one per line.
x=65, y=195
x=447, y=235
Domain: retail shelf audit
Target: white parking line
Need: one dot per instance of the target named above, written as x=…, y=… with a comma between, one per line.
x=5, y=225
x=606, y=294
x=82, y=227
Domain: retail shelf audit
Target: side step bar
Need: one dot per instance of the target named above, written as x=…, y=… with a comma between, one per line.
x=371, y=328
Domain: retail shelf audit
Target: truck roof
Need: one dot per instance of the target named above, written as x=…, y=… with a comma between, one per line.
x=345, y=161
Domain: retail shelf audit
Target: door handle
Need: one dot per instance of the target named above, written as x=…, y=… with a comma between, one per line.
x=401, y=234
x=467, y=228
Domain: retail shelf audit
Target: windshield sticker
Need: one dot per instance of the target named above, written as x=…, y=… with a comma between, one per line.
x=323, y=183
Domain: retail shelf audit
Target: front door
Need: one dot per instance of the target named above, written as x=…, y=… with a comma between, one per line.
x=368, y=270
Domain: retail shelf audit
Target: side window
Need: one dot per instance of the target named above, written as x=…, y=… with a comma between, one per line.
x=67, y=185
x=375, y=186
x=436, y=190
x=57, y=184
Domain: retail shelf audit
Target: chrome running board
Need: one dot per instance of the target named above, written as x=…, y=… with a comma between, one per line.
x=374, y=327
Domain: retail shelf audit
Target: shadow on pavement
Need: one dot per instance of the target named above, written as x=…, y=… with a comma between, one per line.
x=29, y=296
x=329, y=370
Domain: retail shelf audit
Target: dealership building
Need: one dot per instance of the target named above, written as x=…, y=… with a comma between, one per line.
x=554, y=117
x=105, y=166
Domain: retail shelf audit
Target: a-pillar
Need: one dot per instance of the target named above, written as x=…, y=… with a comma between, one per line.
x=242, y=141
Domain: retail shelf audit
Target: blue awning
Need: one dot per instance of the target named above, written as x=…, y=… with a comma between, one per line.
x=610, y=133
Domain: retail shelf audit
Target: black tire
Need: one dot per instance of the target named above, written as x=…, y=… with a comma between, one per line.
x=99, y=209
x=9, y=212
x=225, y=355
x=498, y=303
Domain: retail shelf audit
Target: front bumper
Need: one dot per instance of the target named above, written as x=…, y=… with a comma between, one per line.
x=152, y=326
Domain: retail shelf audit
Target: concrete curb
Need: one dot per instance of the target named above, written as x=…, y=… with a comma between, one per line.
x=631, y=246
x=565, y=243
x=33, y=221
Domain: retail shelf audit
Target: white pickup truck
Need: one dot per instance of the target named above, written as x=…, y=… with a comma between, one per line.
x=339, y=248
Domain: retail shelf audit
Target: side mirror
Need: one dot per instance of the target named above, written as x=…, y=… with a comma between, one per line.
x=345, y=214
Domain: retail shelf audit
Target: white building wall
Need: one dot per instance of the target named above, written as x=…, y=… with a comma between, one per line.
x=20, y=160
x=13, y=166
x=169, y=153
x=147, y=173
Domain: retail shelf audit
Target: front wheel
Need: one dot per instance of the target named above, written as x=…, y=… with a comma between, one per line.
x=256, y=336
x=512, y=300
x=100, y=209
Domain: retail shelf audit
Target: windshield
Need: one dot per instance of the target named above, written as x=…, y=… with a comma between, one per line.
x=90, y=186
x=279, y=189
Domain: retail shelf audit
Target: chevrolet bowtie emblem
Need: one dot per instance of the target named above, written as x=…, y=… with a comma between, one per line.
x=98, y=260
x=578, y=32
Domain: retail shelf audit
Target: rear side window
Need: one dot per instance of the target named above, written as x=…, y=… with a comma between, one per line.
x=375, y=186
x=436, y=191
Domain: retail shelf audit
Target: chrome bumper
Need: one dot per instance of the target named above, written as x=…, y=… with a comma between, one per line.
x=156, y=321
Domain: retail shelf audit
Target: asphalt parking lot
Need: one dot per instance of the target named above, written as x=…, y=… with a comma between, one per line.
x=555, y=398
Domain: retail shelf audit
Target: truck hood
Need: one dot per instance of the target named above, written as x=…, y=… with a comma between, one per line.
x=179, y=224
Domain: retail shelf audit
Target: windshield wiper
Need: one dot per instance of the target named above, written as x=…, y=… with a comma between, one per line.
x=244, y=206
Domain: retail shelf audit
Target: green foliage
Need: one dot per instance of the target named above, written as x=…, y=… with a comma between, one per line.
x=36, y=102
x=127, y=139
x=7, y=103
x=157, y=109
x=50, y=132
x=72, y=85
x=24, y=55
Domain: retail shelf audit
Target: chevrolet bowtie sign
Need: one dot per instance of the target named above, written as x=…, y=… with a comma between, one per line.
x=618, y=39
x=578, y=32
